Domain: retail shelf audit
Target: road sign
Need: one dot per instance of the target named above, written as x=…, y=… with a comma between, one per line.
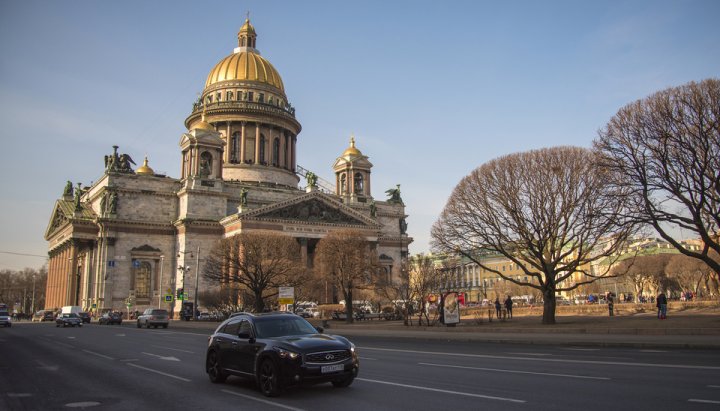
x=94, y=306
x=168, y=298
x=111, y=263
x=286, y=295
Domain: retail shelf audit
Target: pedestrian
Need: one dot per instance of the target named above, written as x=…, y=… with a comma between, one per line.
x=611, y=305
x=661, y=306
x=508, y=306
x=497, y=307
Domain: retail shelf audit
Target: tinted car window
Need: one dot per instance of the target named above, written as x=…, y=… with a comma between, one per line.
x=287, y=325
x=159, y=312
x=245, y=327
x=232, y=328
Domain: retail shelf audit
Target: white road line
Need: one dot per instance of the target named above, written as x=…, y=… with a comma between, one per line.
x=417, y=387
x=503, y=357
x=660, y=351
x=713, y=386
x=249, y=397
x=514, y=371
x=71, y=338
x=158, y=372
x=173, y=349
x=529, y=353
x=98, y=354
x=368, y=359
x=581, y=349
x=704, y=401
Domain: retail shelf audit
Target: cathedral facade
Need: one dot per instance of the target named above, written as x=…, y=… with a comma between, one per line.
x=134, y=238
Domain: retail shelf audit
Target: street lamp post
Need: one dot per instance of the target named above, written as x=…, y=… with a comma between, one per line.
x=197, y=277
x=160, y=290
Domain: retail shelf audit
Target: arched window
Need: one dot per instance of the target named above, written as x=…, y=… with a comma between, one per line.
x=343, y=183
x=205, y=164
x=229, y=96
x=358, y=183
x=249, y=149
x=142, y=280
x=276, y=152
x=234, y=144
x=261, y=155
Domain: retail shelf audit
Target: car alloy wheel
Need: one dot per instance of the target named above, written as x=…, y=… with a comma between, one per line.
x=213, y=368
x=268, y=379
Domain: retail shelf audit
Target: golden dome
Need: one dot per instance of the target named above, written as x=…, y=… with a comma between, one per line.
x=245, y=63
x=202, y=124
x=145, y=169
x=351, y=151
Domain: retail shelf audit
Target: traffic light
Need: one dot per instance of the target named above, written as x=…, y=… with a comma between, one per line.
x=180, y=293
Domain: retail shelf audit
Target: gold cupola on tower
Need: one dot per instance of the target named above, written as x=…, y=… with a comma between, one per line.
x=352, y=174
x=145, y=170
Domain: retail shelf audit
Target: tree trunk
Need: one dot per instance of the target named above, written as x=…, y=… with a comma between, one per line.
x=348, y=306
x=259, y=302
x=548, y=305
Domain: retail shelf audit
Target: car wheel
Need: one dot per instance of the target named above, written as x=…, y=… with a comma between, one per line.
x=268, y=379
x=164, y=325
x=342, y=383
x=147, y=325
x=138, y=324
x=57, y=325
x=213, y=368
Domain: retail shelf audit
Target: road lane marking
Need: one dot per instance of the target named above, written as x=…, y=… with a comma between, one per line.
x=249, y=397
x=368, y=359
x=467, y=394
x=515, y=371
x=658, y=351
x=71, y=338
x=158, y=372
x=581, y=349
x=713, y=386
x=99, y=355
x=703, y=401
x=173, y=349
x=504, y=357
x=119, y=335
x=529, y=353
x=161, y=357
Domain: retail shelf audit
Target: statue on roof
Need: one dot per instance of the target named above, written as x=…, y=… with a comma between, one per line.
x=311, y=179
x=394, y=195
x=373, y=208
x=68, y=191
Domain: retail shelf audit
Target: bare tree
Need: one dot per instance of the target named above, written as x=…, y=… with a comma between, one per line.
x=260, y=262
x=425, y=279
x=667, y=147
x=644, y=273
x=690, y=273
x=550, y=211
x=346, y=258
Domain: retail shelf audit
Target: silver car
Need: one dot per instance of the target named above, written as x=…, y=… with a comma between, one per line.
x=153, y=317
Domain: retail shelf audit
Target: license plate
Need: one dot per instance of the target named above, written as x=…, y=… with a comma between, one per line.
x=332, y=368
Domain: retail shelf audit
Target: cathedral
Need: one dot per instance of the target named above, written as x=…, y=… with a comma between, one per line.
x=134, y=238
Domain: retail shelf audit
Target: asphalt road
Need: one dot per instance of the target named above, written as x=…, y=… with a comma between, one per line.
x=124, y=368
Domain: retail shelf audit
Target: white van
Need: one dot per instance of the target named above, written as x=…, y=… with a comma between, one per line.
x=71, y=309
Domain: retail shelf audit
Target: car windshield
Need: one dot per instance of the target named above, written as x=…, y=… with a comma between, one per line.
x=159, y=312
x=71, y=315
x=282, y=326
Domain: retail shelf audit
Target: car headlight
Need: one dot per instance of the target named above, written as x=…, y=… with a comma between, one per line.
x=283, y=353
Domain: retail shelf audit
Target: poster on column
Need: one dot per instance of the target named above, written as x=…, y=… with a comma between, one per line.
x=451, y=308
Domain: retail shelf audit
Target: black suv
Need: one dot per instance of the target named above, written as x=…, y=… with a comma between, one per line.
x=279, y=350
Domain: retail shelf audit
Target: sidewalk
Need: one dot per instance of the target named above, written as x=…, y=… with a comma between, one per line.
x=690, y=329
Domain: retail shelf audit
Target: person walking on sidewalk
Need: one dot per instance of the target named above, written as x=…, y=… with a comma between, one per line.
x=611, y=304
x=508, y=306
x=497, y=307
x=662, y=306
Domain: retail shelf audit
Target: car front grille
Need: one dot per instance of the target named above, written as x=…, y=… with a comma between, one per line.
x=327, y=357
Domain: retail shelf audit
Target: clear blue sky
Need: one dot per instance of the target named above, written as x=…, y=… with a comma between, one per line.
x=431, y=90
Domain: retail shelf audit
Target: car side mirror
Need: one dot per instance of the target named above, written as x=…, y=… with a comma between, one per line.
x=320, y=329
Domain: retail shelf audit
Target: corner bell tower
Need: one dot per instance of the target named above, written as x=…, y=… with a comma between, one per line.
x=352, y=175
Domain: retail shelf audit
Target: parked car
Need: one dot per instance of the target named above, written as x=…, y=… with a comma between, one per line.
x=279, y=350
x=66, y=319
x=43, y=315
x=5, y=319
x=110, y=318
x=154, y=317
x=85, y=317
